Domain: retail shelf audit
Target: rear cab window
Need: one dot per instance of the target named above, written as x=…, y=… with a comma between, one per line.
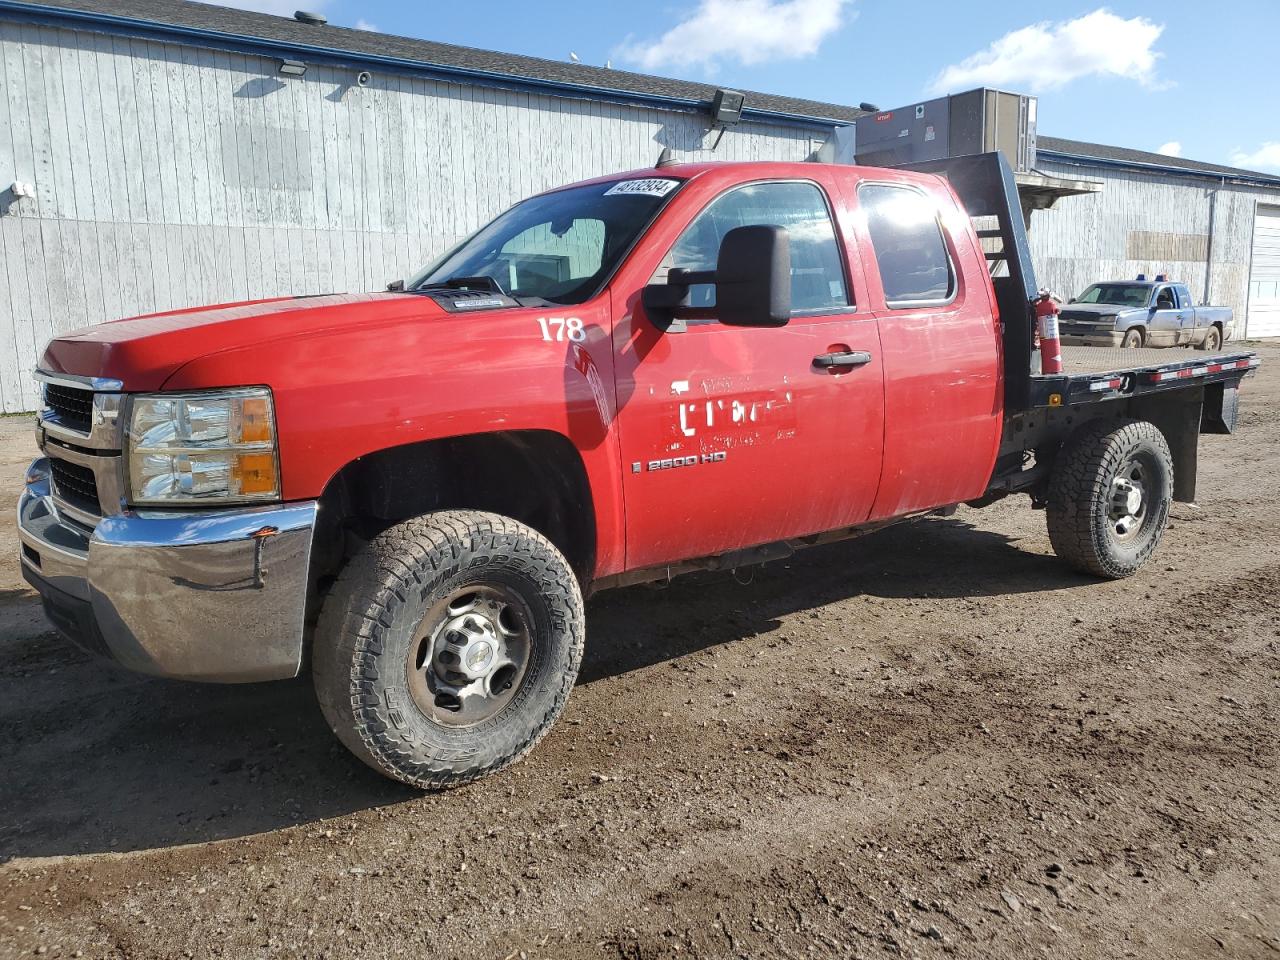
x=819, y=283
x=910, y=248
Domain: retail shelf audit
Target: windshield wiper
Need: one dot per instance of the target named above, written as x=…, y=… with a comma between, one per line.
x=487, y=284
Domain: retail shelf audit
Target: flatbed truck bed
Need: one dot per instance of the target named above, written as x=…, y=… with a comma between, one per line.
x=1079, y=359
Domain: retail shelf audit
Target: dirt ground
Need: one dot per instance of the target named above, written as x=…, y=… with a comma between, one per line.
x=934, y=740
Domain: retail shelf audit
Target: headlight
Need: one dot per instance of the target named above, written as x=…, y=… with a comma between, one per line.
x=215, y=446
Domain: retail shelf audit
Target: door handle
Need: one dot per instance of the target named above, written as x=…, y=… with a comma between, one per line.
x=846, y=358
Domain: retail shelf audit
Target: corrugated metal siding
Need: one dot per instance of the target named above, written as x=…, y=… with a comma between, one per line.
x=168, y=176
x=1137, y=219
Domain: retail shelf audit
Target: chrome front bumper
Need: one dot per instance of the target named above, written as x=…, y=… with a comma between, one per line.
x=1099, y=338
x=215, y=595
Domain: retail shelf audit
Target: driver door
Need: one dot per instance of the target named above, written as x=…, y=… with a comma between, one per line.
x=1166, y=325
x=733, y=437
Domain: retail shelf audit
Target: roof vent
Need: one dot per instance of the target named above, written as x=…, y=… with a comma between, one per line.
x=305, y=16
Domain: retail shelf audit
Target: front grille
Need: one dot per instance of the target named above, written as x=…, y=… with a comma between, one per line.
x=74, y=407
x=76, y=485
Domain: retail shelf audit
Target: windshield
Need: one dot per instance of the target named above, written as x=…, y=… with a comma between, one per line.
x=560, y=246
x=1121, y=294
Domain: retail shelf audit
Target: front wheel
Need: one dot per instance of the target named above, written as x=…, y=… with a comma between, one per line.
x=448, y=647
x=1132, y=339
x=1109, y=496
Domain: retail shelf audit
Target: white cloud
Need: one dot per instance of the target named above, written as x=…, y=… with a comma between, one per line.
x=1266, y=157
x=1046, y=56
x=281, y=8
x=1171, y=149
x=749, y=31
x=363, y=24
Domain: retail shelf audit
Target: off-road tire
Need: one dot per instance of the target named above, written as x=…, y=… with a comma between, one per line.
x=1133, y=338
x=1080, y=491
x=374, y=610
x=1212, y=339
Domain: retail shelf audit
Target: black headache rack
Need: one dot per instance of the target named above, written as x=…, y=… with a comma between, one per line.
x=986, y=187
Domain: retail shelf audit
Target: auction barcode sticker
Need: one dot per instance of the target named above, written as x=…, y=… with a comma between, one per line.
x=650, y=188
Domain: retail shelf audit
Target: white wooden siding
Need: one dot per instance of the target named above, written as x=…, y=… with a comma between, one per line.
x=169, y=175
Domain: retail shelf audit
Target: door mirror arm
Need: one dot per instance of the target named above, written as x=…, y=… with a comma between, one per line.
x=665, y=302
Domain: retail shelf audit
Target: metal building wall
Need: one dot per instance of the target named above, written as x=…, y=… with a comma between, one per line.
x=168, y=176
x=1195, y=229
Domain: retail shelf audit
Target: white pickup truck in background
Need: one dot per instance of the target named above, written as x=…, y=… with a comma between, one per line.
x=1143, y=313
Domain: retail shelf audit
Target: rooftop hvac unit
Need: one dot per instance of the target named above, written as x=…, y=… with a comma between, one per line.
x=980, y=121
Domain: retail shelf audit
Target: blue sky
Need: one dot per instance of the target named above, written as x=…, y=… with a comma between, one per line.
x=1177, y=76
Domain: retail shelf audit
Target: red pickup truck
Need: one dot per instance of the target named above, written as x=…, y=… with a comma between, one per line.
x=699, y=366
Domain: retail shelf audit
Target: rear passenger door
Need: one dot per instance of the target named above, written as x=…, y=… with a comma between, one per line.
x=941, y=343
x=1188, y=331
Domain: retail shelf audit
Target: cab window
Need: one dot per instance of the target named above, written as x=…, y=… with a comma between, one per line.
x=1165, y=300
x=817, y=270
x=915, y=267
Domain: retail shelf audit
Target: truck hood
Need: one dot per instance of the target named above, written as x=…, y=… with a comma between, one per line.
x=1093, y=311
x=143, y=352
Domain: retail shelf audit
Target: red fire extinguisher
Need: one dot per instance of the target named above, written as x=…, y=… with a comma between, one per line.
x=1047, y=327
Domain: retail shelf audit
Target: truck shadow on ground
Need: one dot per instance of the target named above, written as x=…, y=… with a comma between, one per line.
x=99, y=760
x=928, y=558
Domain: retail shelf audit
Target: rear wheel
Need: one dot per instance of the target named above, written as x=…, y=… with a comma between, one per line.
x=1132, y=339
x=1109, y=495
x=1212, y=339
x=448, y=647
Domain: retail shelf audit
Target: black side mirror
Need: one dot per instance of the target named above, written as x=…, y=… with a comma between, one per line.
x=395, y=285
x=752, y=280
x=753, y=277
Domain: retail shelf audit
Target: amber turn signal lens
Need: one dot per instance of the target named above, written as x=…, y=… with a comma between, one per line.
x=255, y=420
x=254, y=473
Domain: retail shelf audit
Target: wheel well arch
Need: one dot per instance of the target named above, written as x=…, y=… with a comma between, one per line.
x=536, y=477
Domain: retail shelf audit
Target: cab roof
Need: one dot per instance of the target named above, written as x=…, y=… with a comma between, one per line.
x=768, y=168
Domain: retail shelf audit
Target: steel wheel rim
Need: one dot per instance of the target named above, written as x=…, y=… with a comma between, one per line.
x=1128, y=503
x=470, y=654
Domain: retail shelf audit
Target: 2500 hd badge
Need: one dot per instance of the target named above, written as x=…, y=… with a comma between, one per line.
x=671, y=463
